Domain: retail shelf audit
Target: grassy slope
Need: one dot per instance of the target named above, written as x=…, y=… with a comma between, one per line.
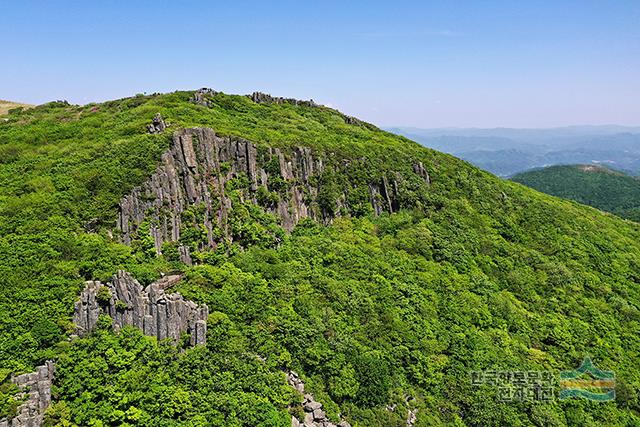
x=5, y=106
x=490, y=274
x=592, y=185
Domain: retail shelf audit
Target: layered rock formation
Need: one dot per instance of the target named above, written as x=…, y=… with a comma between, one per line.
x=314, y=416
x=151, y=309
x=36, y=387
x=194, y=173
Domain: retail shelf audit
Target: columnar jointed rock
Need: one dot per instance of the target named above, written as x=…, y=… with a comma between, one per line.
x=157, y=124
x=419, y=169
x=36, y=387
x=152, y=310
x=195, y=171
x=314, y=416
x=265, y=98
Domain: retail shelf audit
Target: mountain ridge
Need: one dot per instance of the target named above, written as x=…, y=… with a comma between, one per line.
x=594, y=185
x=507, y=151
x=382, y=314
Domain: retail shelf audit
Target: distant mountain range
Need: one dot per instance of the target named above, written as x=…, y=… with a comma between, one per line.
x=592, y=185
x=506, y=151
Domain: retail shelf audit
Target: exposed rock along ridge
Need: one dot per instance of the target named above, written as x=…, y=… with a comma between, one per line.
x=150, y=309
x=196, y=168
x=265, y=98
x=200, y=97
x=36, y=387
x=314, y=416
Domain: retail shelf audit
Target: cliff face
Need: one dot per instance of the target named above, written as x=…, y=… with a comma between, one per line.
x=36, y=388
x=152, y=310
x=195, y=173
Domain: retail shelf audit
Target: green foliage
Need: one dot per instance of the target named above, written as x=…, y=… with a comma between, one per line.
x=103, y=296
x=375, y=309
x=130, y=379
x=473, y=273
x=374, y=378
x=8, y=401
x=595, y=186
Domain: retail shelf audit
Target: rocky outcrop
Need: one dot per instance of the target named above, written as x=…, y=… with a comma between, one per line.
x=150, y=309
x=157, y=124
x=412, y=417
x=419, y=169
x=200, y=96
x=36, y=388
x=412, y=413
x=188, y=190
x=352, y=120
x=265, y=98
x=314, y=416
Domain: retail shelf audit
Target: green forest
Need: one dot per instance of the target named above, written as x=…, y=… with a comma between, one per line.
x=596, y=186
x=374, y=312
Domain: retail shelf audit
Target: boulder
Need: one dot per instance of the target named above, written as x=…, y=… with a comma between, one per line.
x=157, y=124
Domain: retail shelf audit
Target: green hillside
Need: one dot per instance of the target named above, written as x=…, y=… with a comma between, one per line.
x=6, y=106
x=378, y=314
x=595, y=186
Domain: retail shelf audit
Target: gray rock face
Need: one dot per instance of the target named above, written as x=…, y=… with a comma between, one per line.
x=194, y=173
x=314, y=416
x=412, y=417
x=352, y=120
x=36, y=387
x=265, y=98
x=157, y=124
x=199, y=96
x=150, y=309
x=419, y=169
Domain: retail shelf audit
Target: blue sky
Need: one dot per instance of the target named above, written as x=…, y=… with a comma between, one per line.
x=410, y=63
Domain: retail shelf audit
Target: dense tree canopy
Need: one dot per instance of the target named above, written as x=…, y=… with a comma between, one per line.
x=596, y=186
x=371, y=311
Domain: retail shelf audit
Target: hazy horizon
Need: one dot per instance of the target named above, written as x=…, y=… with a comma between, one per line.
x=407, y=64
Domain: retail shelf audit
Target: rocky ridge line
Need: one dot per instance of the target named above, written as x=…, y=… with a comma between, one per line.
x=150, y=309
x=36, y=387
x=265, y=98
x=200, y=98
